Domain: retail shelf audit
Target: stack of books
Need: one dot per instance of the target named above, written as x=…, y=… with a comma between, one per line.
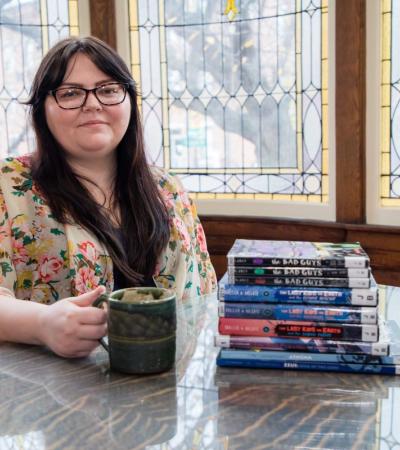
x=305, y=306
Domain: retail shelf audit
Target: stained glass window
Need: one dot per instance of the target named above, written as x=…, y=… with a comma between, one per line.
x=390, y=104
x=27, y=29
x=236, y=104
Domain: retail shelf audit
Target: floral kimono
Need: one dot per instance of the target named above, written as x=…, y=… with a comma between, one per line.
x=43, y=260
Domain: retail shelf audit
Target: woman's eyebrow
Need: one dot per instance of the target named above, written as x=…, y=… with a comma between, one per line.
x=73, y=84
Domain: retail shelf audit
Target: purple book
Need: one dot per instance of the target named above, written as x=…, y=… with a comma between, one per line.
x=296, y=254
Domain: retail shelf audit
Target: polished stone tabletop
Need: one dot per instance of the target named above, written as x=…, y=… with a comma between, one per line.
x=47, y=402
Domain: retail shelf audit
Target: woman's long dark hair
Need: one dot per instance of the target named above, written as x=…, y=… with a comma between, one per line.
x=144, y=218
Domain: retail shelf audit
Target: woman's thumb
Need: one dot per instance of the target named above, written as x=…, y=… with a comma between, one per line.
x=89, y=297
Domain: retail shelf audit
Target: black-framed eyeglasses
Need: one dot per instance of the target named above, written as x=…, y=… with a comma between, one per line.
x=72, y=97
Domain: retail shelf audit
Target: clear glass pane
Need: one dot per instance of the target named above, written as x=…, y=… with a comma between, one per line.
x=23, y=40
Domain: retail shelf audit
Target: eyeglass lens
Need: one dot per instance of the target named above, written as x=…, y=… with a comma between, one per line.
x=74, y=97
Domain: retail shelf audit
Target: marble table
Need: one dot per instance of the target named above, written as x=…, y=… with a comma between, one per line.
x=47, y=402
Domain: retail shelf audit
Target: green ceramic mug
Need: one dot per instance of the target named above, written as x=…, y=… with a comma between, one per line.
x=141, y=329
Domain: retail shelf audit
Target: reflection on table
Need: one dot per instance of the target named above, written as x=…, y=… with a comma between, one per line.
x=50, y=403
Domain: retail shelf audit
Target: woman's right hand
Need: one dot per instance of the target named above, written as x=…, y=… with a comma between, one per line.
x=72, y=327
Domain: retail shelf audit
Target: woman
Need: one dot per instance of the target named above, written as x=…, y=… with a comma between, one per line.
x=85, y=212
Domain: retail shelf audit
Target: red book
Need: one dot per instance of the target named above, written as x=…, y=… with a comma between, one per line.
x=289, y=328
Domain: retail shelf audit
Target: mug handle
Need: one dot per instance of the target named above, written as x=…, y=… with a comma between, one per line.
x=97, y=304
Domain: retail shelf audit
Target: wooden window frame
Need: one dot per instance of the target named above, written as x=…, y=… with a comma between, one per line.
x=381, y=242
x=102, y=21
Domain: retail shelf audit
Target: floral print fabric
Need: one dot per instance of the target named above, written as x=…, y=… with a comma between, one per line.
x=44, y=261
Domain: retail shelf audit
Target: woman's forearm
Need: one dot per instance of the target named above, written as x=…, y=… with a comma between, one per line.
x=19, y=320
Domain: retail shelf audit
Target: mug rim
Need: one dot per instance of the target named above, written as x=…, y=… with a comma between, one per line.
x=148, y=302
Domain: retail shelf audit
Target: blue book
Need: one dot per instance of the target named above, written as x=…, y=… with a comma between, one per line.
x=322, y=313
x=226, y=358
x=288, y=294
x=288, y=356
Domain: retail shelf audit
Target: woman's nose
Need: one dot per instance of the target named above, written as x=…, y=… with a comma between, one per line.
x=91, y=102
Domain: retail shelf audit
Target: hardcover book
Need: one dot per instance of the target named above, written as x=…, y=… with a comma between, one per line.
x=288, y=328
x=358, y=283
x=286, y=294
x=327, y=272
x=247, y=358
x=312, y=345
x=287, y=356
x=247, y=252
x=355, y=314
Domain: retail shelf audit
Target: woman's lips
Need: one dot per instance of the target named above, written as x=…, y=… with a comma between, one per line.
x=92, y=123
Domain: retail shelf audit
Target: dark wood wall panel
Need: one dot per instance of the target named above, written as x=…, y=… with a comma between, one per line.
x=389, y=277
x=381, y=243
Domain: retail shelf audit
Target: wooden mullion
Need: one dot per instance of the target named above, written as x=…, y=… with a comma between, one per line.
x=350, y=111
x=103, y=22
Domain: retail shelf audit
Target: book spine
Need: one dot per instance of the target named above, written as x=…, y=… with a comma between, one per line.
x=299, y=312
x=353, y=262
x=302, y=345
x=285, y=328
x=299, y=272
x=360, y=283
x=288, y=356
x=273, y=294
x=313, y=366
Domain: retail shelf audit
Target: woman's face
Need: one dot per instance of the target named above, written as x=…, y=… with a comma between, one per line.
x=92, y=131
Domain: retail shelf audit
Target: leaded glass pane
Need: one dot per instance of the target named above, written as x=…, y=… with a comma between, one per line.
x=27, y=29
x=235, y=104
x=390, y=111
